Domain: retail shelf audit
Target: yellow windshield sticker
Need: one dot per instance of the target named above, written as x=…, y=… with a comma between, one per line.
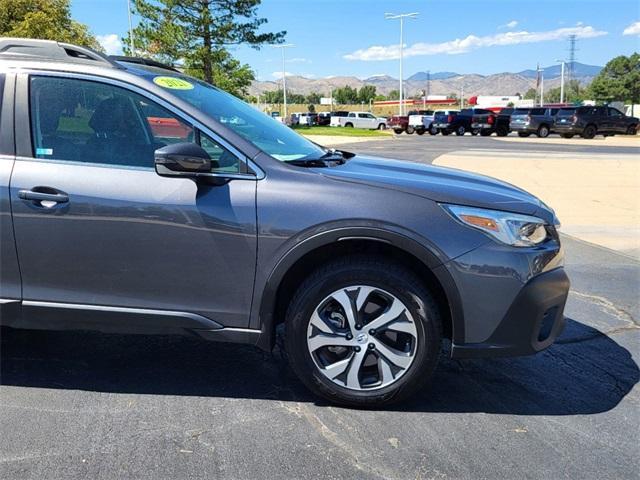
x=173, y=83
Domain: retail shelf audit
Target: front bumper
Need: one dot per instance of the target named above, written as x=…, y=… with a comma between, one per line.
x=532, y=323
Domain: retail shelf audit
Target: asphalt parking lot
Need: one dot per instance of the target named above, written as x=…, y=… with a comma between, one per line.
x=85, y=405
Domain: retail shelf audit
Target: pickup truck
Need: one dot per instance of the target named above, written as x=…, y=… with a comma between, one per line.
x=590, y=121
x=422, y=122
x=539, y=121
x=442, y=120
x=359, y=120
x=474, y=120
x=400, y=123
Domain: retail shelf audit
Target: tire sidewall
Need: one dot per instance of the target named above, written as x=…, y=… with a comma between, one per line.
x=427, y=328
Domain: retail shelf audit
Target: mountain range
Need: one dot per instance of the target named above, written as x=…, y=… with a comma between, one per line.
x=440, y=83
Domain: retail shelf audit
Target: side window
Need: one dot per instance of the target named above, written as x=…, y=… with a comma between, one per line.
x=351, y=115
x=614, y=112
x=91, y=122
x=222, y=160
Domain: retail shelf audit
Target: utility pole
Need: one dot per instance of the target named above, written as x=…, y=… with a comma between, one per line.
x=284, y=75
x=462, y=97
x=401, y=17
x=542, y=89
x=131, y=42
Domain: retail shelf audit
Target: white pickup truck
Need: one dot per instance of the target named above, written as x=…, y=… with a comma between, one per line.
x=422, y=122
x=359, y=120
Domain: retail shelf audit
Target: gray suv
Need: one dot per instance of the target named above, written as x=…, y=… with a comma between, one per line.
x=136, y=199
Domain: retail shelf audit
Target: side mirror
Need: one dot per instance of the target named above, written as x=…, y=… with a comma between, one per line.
x=182, y=160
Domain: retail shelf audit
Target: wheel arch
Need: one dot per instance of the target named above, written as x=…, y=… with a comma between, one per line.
x=310, y=254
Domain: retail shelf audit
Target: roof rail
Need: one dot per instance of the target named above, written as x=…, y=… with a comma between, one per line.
x=32, y=49
x=142, y=61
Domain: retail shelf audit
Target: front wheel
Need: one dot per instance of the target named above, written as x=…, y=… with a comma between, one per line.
x=632, y=130
x=410, y=130
x=460, y=130
x=421, y=131
x=363, y=331
x=397, y=131
x=543, y=131
x=348, y=125
x=433, y=130
x=382, y=126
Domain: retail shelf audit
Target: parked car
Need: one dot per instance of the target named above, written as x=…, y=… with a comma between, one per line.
x=539, y=121
x=359, y=120
x=591, y=121
x=473, y=120
x=443, y=119
x=324, y=119
x=247, y=227
x=422, y=122
x=400, y=123
x=502, y=121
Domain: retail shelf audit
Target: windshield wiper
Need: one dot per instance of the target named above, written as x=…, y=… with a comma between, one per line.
x=329, y=159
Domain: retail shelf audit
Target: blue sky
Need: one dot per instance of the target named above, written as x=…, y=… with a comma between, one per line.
x=351, y=37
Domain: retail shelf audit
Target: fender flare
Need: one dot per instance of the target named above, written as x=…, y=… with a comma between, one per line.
x=411, y=246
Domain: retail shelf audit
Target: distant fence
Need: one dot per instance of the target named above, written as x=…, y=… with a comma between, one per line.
x=380, y=110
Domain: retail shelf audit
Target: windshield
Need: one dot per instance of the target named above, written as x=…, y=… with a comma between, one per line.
x=269, y=135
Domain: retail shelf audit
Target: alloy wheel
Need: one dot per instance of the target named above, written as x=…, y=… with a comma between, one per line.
x=362, y=338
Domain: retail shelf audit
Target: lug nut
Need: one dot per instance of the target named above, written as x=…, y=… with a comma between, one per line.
x=357, y=349
x=349, y=336
x=372, y=346
x=372, y=331
x=358, y=326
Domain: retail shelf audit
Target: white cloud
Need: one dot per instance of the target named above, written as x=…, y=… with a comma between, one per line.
x=111, y=43
x=298, y=60
x=471, y=42
x=510, y=25
x=278, y=75
x=633, y=29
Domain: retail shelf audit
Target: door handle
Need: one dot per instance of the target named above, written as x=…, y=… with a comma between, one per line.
x=43, y=196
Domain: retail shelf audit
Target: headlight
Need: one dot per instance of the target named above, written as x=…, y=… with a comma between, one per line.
x=509, y=228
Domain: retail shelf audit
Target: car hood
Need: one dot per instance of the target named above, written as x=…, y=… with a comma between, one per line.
x=440, y=184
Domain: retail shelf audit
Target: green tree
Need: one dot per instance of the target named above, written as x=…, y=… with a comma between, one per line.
x=552, y=95
x=366, y=93
x=274, y=96
x=346, y=95
x=393, y=95
x=313, y=98
x=43, y=19
x=530, y=94
x=618, y=80
x=311, y=108
x=198, y=33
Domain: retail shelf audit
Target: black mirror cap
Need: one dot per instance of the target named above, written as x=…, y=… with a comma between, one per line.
x=182, y=159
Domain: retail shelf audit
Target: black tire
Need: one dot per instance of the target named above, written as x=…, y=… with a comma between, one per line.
x=523, y=134
x=589, y=132
x=632, y=130
x=485, y=133
x=410, y=130
x=376, y=272
x=397, y=131
x=502, y=131
x=444, y=132
x=382, y=126
x=421, y=132
x=433, y=130
x=567, y=135
x=460, y=131
x=475, y=131
x=543, y=131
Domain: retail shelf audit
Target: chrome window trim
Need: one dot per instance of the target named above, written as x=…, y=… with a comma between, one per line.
x=258, y=174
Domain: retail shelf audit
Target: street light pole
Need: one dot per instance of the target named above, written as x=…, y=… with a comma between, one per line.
x=133, y=51
x=401, y=17
x=284, y=75
x=561, y=80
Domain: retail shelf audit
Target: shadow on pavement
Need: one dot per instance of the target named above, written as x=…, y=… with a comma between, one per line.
x=586, y=372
